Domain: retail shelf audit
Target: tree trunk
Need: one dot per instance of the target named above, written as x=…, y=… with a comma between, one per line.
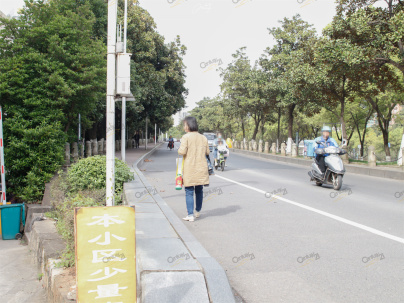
x=243, y=128
x=362, y=139
x=386, y=142
x=256, y=128
x=92, y=132
x=291, y=109
x=383, y=122
x=279, y=123
x=262, y=130
x=362, y=136
x=342, y=113
x=67, y=127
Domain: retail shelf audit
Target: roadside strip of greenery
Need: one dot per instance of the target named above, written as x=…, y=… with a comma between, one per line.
x=82, y=185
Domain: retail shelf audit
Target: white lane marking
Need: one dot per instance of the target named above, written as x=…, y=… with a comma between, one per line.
x=346, y=221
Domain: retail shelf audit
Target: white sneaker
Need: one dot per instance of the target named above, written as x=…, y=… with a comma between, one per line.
x=189, y=218
x=197, y=214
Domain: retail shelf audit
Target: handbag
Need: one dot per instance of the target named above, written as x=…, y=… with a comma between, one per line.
x=178, y=175
x=210, y=166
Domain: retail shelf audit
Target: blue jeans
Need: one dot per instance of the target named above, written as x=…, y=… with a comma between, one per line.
x=189, y=198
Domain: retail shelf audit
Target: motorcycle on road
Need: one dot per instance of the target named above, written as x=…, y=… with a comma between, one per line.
x=220, y=162
x=335, y=169
x=170, y=145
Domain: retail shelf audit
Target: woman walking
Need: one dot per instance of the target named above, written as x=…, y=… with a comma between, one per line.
x=194, y=148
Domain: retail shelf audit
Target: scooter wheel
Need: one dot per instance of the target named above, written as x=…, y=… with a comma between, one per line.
x=337, y=182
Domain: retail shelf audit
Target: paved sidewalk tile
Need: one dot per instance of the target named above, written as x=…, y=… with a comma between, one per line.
x=19, y=276
x=179, y=287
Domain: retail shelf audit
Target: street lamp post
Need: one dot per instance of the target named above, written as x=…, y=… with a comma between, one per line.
x=146, y=135
x=110, y=136
x=123, y=123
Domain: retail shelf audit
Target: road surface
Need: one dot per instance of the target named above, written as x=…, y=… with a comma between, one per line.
x=280, y=238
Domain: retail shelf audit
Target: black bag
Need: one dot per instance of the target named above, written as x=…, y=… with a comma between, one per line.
x=210, y=167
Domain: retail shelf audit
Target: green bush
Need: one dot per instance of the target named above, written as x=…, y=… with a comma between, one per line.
x=32, y=155
x=82, y=185
x=64, y=214
x=90, y=173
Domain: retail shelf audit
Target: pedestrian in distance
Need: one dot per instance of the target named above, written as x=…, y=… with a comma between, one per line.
x=194, y=148
x=137, y=138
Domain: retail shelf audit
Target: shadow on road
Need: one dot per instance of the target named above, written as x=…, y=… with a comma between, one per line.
x=221, y=211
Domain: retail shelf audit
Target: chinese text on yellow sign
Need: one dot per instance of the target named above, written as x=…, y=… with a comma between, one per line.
x=105, y=254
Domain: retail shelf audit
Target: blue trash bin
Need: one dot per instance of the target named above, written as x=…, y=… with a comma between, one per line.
x=12, y=221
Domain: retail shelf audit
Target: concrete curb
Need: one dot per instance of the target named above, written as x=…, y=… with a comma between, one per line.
x=350, y=168
x=47, y=245
x=216, y=281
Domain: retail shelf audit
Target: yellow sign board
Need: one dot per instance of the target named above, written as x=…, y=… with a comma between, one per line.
x=105, y=254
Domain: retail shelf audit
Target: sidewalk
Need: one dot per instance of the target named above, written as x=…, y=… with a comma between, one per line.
x=133, y=154
x=19, y=276
x=172, y=266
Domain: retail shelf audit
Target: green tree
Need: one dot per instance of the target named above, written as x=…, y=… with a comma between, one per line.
x=157, y=68
x=288, y=64
x=378, y=31
x=235, y=89
x=51, y=68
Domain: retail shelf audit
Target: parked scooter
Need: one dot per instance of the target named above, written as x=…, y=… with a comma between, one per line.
x=335, y=169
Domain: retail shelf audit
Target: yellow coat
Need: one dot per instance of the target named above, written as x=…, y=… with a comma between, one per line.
x=194, y=148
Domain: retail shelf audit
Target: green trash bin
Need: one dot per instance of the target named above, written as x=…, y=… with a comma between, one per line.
x=12, y=221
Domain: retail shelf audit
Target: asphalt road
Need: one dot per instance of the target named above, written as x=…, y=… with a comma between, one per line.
x=280, y=238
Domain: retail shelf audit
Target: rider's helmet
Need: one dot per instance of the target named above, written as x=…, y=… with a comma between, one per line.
x=326, y=129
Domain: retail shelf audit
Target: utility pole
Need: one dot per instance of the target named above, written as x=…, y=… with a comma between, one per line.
x=155, y=133
x=79, y=137
x=3, y=171
x=146, y=135
x=123, y=122
x=110, y=136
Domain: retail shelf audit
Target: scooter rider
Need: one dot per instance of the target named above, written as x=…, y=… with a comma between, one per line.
x=219, y=144
x=170, y=142
x=326, y=141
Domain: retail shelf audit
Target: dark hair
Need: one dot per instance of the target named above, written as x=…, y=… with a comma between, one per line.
x=192, y=125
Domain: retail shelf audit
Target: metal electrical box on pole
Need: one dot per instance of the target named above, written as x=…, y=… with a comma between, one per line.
x=123, y=74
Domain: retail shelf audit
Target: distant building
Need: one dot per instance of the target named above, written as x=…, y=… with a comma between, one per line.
x=2, y=15
x=178, y=117
x=396, y=110
x=372, y=121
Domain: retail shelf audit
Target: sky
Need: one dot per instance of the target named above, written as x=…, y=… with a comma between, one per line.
x=10, y=7
x=212, y=30
x=215, y=29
